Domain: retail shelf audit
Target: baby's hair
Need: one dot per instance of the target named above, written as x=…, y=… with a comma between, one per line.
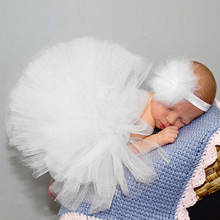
x=207, y=83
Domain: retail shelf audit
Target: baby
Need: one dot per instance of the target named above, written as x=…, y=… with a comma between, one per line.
x=169, y=117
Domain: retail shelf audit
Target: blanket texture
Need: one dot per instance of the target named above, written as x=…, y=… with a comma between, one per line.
x=161, y=199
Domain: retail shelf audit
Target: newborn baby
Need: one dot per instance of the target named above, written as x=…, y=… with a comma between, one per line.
x=170, y=117
x=74, y=107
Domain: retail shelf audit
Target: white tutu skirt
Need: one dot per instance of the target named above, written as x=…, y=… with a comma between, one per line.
x=71, y=114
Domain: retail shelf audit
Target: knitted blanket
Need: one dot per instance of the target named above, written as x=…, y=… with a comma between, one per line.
x=172, y=192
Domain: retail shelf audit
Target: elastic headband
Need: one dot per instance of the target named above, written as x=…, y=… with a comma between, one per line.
x=199, y=103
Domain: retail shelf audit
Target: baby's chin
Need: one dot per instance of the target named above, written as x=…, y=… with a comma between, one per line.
x=157, y=127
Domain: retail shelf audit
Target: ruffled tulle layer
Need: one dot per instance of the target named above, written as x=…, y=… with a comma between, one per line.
x=71, y=114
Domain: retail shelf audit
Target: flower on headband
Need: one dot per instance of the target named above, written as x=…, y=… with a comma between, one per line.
x=173, y=81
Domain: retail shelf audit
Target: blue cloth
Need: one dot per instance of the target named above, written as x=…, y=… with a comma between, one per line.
x=160, y=199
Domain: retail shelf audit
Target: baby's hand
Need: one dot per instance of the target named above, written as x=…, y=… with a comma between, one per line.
x=167, y=135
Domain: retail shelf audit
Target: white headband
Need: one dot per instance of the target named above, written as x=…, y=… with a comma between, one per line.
x=175, y=81
x=199, y=103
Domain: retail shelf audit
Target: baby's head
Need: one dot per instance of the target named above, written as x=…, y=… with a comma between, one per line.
x=177, y=106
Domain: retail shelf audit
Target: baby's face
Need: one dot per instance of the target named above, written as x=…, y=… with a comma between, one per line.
x=178, y=115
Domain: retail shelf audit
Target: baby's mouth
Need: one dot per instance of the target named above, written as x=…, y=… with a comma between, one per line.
x=162, y=126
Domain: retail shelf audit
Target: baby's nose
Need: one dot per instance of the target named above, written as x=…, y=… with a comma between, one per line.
x=171, y=119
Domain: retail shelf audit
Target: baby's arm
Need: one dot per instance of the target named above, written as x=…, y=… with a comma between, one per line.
x=165, y=136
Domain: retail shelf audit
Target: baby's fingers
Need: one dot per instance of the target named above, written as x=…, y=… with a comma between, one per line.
x=172, y=139
x=174, y=132
x=173, y=127
x=173, y=135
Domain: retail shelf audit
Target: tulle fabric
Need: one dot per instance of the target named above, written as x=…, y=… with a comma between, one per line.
x=71, y=114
